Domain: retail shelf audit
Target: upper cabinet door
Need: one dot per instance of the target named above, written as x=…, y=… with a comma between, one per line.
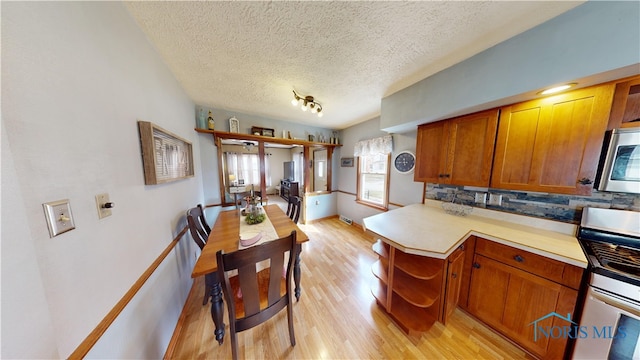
x=431, y=152
x=470, y=153
x=553, y=144
x=457, y=151
x=625, y=110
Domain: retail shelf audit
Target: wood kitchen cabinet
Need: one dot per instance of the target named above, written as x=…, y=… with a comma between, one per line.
x=625, y=109
x=457, y=151
x=552, y=144
x=288, y=189
x=453, y=283
x=509, y=292
x=415, y=289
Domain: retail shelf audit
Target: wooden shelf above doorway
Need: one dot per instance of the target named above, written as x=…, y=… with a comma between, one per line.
x=248, y=137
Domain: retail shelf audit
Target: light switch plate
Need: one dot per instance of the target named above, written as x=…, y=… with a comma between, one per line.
x=59, y=217
x=102, y=199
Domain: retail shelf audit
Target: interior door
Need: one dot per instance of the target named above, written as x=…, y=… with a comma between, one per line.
x=320, y=170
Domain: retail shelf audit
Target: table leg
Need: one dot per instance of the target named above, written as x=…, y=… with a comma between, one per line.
x=217, y=308
x=296, y=272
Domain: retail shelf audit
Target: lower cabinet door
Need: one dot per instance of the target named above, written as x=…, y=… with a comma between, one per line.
x=488, y=291
x=529, y=310
x=454, y=281
x=524, y=307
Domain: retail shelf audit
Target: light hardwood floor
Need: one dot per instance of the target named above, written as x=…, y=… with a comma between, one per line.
x=337, y=317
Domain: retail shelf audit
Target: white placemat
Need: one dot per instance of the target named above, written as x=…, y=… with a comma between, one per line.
x=264, y=228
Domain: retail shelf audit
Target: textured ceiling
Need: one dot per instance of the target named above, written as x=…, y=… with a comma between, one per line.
x=249, y=56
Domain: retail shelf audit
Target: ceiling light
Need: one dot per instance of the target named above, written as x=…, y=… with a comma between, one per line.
x=306, y=103
x=557, y=89
x=248, y=146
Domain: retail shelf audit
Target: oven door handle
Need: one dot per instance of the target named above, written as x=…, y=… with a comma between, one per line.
x=613, y=300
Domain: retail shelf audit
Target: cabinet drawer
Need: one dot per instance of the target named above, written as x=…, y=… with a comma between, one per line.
x=545, y=267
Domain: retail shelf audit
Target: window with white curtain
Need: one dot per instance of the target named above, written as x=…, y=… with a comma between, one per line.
x=246, y=167
x=250, y=169
x=233, y=166
x=374, y=156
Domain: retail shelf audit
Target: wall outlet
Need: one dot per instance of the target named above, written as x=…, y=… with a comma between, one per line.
x=481, y=198
x=104, y=205
x=495, y=199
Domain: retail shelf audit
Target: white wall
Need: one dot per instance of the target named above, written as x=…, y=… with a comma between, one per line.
x=402, y=189
x=76, y=76
x=209, y=168
x=319, y=206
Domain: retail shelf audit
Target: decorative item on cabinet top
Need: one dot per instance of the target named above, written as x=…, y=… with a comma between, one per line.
x=201, y=119
x=234, y=125
x=210, y=122
x=255, y=130
x=165, y=156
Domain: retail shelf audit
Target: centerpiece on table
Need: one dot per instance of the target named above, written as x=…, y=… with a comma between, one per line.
x=254, y=212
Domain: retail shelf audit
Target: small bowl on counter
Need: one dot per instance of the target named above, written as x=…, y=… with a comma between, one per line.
x=456, y=209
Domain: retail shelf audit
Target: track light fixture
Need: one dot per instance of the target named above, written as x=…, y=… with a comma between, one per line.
x=307, y=103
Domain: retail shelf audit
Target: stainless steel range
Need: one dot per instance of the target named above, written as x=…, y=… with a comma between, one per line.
x=610, y=323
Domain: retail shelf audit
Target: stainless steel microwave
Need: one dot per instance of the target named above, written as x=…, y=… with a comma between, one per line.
x=620, y=164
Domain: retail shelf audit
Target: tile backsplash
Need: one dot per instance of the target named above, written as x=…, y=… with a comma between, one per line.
x=565, y=208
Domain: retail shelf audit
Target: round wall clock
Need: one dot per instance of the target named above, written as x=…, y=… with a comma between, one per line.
x=405, y=162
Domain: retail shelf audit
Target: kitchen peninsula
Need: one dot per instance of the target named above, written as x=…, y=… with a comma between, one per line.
x=507, y=270
x=425, y=229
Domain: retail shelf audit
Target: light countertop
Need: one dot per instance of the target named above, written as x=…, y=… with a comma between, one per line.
x=425, y=229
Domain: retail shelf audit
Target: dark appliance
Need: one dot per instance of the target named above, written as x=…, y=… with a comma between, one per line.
x=610, y=324
x=289, y=168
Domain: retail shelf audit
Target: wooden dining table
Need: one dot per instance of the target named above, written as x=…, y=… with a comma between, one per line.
x=225, y=235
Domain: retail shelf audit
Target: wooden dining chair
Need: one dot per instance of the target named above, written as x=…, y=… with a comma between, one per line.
x=200, y=230
x=293, y=209
x=263, y=199
x=253, y=296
